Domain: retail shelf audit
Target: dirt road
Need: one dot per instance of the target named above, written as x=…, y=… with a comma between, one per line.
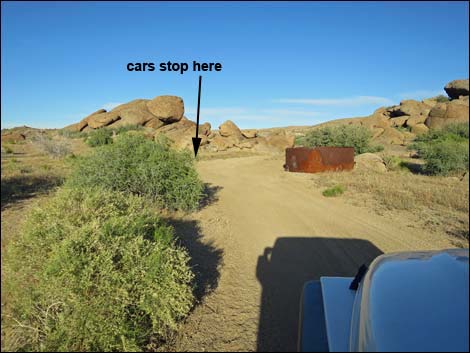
x=263, y=235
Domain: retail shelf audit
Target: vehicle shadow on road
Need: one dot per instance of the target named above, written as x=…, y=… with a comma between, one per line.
x=206, y=258
x=282, y=271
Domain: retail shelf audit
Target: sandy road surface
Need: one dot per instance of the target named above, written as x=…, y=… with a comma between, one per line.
x=266, y=233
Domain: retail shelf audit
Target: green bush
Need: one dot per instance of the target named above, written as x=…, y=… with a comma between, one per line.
x=334, y=191
x=393, y=162
x=444, y=150
x=139, y=166
x=126, y=128
x=445, y=157
x=99, y=137
x=441, y=99
x=355, y=136
x=72, y=134
x=94, y=270
x=456, y=132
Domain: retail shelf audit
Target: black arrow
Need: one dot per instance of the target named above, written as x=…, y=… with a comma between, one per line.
x=197, y=140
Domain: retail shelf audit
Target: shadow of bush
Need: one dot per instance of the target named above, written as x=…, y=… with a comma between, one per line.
x=20, y=187
x=206, y=258
x=210, y=195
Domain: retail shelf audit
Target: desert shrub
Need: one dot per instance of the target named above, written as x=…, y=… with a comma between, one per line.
x=355, y=136
x=334, y=191
x=441, y=99
x=72, y=134
x=94, y=270
x=54, y=148
x=393, y=162
x=444, y=157
x=99, y=137
x=139, y=166
x=126, y=128
x=375, y=148
x=444, y=150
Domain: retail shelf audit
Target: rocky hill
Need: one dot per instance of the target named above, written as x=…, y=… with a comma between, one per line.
x=396, y=125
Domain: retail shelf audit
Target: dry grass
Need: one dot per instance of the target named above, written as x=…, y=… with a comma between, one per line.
x=440, y=203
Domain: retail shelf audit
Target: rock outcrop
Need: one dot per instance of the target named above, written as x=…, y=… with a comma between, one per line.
x=153, y=113
x=401, y=123
x=370, y=162
x=457, y=88
x=442, y=114
x=168, y=109
x=398, y=124
x=229, y=129
x=13, y=137
x=249, y=134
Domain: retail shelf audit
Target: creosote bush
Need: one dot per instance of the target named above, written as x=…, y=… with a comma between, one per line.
x=355, y=136
x=139, y=166
x=72, y=134
x=94, y=270
x=99, y=137
x=445, y=150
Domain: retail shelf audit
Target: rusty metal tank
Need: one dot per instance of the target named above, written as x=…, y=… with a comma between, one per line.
x=319, y=159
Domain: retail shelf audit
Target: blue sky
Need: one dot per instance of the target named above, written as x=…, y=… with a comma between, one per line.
x=283, y=63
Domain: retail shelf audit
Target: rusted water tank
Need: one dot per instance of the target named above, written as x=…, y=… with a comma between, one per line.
x=319, y=159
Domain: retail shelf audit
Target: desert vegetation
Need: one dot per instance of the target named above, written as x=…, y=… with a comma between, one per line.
x=98, y=251
x=97, y=270
x=445, y=151
x=333, y=191
x=99, y=137
x=355, y=136
x=95, y=267
x=153, y=169
x=53, y=147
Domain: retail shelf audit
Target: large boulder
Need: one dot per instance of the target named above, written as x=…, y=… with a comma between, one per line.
x=104, y=119
x=219, y=143
x=84, y=122
x=154, y=123
x=249, y=134
x=431, y=102
x=274, y=143
x=442, y=114
x=399, y=121
x=415, y=119
x=370, y=162
x=409, y=107
x=392, y=136
x=132, y=113
x=457, y=88
x=181, y=133
x=419, y=129
x=168, y=109
x=205, y=129
x=377, y=120
x=13, y=137
x=229, y=128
